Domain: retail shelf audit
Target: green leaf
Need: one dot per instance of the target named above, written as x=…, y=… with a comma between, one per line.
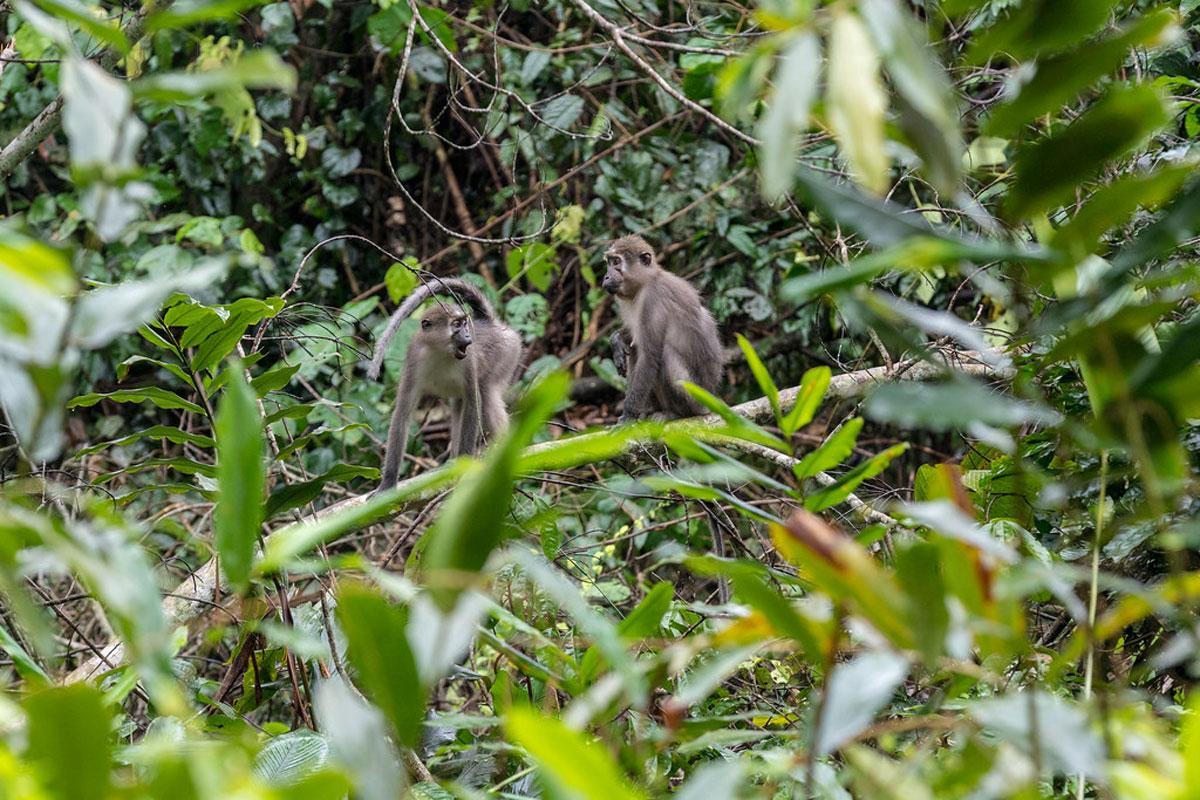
x=759, y=370
x=261, y=69
x=854, y=694
x=832, y=495
x=471, y=522
x=786, y=118
x=152, y=394
x=951, y=406
x=27, y=667
x=783, y=616
x=241, y=473
x=735, y=424
x=275, y=378
x=70, y=741
x=186, y=13
x=174, y=369
x=291, y=757
x=293, y=495
x=928, y=109
x=1038, y=26
x=160, y=432
x=1059, y=79
x=813, y=386
x=855, y=100
x=84, y=16
x=561, y=112
x=1049, y=171
x=884, y=223
x=568, y=759
x=401, y=279
x=287, y=544
x=378, y=649
x=1114, y=203
x=833, y=451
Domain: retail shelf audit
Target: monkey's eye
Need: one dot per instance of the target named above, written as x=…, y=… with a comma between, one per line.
x=645, y=258
x=426, y=324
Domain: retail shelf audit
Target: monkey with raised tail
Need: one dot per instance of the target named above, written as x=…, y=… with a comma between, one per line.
x=669, y=335
x=468, y=360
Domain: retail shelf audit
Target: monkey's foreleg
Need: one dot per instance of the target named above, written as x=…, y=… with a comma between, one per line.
x=622, y=352
x=642, y=376
x=467, y=439
x=397, y=441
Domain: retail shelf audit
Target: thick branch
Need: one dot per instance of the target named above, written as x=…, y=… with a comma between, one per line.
x=197, y=593
x=49, y=118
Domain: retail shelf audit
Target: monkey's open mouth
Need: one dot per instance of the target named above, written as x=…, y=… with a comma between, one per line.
x=460, y=351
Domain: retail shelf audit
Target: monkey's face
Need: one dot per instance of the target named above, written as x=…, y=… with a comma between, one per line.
x=626, y=268
x=452, y=331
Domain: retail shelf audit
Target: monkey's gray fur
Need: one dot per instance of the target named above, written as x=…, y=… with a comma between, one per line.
x=469, y=361
x=669, y=335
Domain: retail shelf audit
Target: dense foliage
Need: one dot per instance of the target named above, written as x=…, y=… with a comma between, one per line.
x=938, y=537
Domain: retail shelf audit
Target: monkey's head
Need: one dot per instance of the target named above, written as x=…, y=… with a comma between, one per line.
x=630, y=262
x=447, y=328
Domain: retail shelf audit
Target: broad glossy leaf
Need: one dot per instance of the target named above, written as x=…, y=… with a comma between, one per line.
x=928, y=111
x=359, y=741
x=470, y=524
x=160, y=432
x=954, y=405
x=561, y=112
x=289, y=757
x=401, y=279
x=1072, y=749
x=378, y=649
x=104, y=30
x=103, y=314
x=262, y=69
x=28, y=668
x=569, y=759
x=275, y=378
x=1114, y=203
x=104, y=134
x=884, y=223
x=855, y=100
x=854, y=694
x=833, y=451
x=1050, y=170
x=735, y=424
x=189, y=12
x=241, y=473
x=70, y=731
x=290, y=543
x=786, y=119
x=813, y=386
x=152, y=394
x=761, y=374
x=846, y=484
x=1040, y=26
x=876, y=776
x=1054, y=81
x=288, y=496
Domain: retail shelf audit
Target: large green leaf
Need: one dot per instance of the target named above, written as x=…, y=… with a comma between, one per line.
x=838, y=492
x=241, y=472
x=833, y=451
x=786, y=118
x=954, y=405
x=70, y=741
x=854, y=693
x=570, y=761
x=1057, y=80
x=262, y=69
x=928, y=109
x=378, y=649
x=1038, y=26
x=856, y=101
x=153, y=394
x=1049, y=171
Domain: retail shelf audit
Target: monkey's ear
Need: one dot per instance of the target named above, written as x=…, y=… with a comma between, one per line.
x=646, y=258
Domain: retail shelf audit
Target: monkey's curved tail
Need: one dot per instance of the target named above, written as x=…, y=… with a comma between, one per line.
x=460, y=291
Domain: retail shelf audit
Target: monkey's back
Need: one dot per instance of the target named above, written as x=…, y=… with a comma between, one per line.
x=691, y=332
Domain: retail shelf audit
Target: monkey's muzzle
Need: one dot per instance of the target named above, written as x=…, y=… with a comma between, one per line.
x=610, y=285
x=461, y=340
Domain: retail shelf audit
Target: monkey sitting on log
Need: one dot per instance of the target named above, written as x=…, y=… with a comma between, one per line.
x=467, y=360
x=668, y=337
